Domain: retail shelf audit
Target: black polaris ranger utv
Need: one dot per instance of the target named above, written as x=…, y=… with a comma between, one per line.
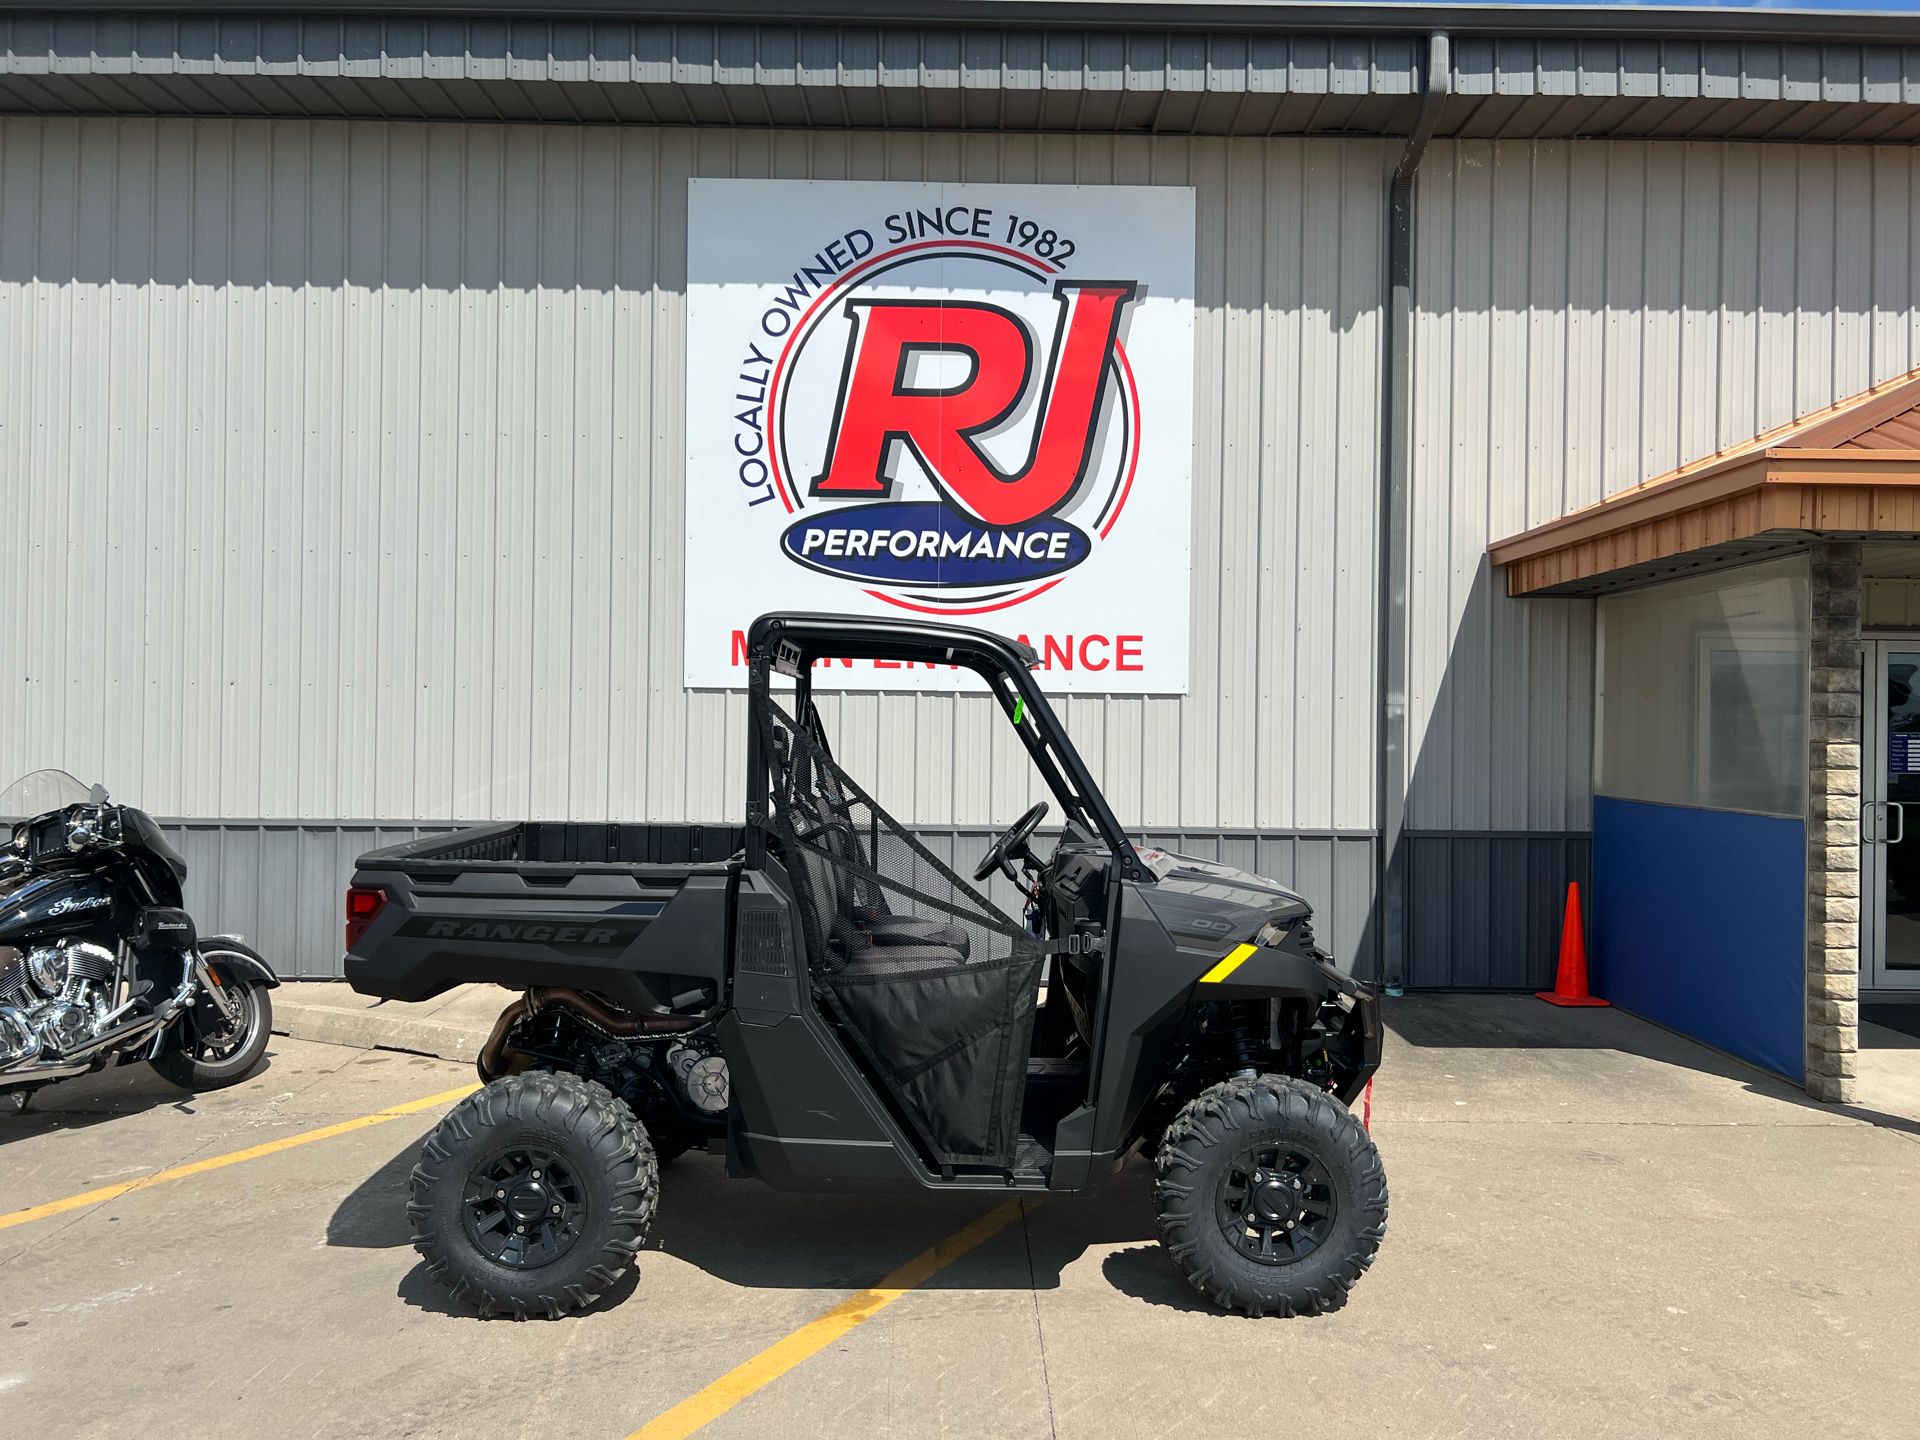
x=822, y=998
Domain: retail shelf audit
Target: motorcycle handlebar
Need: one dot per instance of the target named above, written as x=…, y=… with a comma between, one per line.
x=88, y=827
x=85, y=826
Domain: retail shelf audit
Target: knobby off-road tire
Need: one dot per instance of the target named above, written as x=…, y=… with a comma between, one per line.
x=1319, y=1240
x=528, y=1131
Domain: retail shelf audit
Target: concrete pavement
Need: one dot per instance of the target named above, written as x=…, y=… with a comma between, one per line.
x=1598, y=1229
x=447, y=1027
x=1889, y=1072
x=453, y=1026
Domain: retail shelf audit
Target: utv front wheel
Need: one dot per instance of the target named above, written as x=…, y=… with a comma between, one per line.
x=533, y=1195
x=1271, y=1198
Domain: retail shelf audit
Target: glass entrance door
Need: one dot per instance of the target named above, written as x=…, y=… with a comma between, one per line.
x=1890, y=816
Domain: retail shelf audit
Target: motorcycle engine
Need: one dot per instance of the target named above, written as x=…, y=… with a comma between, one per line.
x=54, y=999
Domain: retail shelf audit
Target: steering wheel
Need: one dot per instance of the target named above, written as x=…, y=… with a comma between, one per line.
x=1001, y=854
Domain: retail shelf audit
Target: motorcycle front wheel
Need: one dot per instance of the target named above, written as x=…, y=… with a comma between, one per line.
x=217, y=1054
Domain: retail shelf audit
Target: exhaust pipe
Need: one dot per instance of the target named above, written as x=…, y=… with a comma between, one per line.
x=120, y=1034
x=54, y=1067
x=620, y=1024
x=597, y=1012
x=78, y=1060
x=39, y=1072
x=493, y=1050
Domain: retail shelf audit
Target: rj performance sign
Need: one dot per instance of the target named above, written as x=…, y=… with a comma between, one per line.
x=971, y=402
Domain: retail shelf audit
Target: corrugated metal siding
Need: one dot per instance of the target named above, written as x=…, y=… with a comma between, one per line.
x=1485, y=910
x=278, y=884
x=1590, y=315
x=348, y=463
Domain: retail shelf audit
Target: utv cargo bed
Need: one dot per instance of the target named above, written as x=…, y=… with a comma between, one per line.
x=630, y=911
x=531, y=845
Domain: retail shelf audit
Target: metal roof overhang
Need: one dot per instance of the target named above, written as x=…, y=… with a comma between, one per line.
x=1216, y=69
x=1852, y=471
x=1644, y=18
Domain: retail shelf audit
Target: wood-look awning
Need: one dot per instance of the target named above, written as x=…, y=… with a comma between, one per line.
x=1850, y=470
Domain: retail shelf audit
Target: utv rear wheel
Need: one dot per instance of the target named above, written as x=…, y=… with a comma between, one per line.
x=533, y=1195
x=1271, y=1197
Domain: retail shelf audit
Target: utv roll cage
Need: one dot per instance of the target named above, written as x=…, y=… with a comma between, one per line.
x=792, y=644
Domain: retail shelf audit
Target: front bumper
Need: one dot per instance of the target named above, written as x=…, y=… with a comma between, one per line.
x=1362, y=1037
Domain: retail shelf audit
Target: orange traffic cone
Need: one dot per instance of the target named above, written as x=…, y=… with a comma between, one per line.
x=1570, y=985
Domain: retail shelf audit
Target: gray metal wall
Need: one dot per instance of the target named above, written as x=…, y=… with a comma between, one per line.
x=1591, y=315
x=343, y=479
x=278, y=883
x=352, y=476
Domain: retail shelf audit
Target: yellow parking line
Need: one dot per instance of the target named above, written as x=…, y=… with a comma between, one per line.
x=220, y=1162
x=814, y=1336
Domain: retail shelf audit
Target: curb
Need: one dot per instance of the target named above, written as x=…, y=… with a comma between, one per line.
x=372, y=1029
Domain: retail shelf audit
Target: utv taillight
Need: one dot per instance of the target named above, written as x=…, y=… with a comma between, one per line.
x=363, y=903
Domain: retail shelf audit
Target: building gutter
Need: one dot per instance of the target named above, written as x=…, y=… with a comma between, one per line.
x=1396, y=477
x=1649, y=21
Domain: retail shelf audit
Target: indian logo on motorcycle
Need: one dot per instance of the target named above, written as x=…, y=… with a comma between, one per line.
x=951, y=400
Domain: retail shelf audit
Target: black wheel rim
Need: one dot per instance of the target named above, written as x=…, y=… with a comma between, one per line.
x=215, y=1045
x=1277, y=1203
x=524, y=1207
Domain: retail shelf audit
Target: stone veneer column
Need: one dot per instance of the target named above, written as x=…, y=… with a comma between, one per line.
x=1833, y=825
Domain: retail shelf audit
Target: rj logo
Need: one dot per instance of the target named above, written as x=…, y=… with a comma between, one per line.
x=880, y=408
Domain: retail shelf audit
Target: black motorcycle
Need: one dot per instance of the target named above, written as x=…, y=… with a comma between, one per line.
x=100, y=965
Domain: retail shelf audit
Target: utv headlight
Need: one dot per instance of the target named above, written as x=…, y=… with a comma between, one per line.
x=1273, y=933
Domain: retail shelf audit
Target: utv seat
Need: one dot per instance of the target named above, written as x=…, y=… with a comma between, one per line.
x=915, y=943
x=890, y=931
x=889, y=960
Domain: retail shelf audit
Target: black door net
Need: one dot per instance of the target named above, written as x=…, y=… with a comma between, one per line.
x=933, y=984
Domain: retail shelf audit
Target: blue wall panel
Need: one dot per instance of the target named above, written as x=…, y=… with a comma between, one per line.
x=1699, y=923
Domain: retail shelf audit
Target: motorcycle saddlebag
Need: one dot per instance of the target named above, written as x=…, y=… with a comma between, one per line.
x=158, y=927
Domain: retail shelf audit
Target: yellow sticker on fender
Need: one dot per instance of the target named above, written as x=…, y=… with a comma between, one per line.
x=1233, y=960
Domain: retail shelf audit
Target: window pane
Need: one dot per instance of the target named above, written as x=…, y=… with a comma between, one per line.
x=1703, y=691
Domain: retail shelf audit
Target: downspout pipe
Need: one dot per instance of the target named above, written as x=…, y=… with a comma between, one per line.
x=1396, y=483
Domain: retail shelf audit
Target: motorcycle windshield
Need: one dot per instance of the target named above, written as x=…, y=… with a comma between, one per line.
x=44, y=790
